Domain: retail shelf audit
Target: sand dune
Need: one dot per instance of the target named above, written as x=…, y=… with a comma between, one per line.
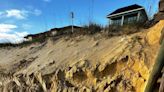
x=83, y=63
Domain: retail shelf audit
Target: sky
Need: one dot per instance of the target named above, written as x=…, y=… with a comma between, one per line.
x=21, y=17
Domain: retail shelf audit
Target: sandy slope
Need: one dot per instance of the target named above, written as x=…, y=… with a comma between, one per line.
x=91, y=63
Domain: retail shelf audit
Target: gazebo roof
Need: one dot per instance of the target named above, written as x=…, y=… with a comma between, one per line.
x=125, y=9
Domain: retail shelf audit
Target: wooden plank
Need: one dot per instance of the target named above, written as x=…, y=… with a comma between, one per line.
x=161, y=89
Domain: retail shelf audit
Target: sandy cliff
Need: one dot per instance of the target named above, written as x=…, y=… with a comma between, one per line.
x=83, y=63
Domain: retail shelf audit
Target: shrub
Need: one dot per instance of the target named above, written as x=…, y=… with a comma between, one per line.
x=92, y=28
x=116, y=30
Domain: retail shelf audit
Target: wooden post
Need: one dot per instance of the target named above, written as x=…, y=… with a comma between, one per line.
x=156, y=69
x=138, y=16
x=122, y=20
x=110, y=21
x=72, y=17
x=161, y=88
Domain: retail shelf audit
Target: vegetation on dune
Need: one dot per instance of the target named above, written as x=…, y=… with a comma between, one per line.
x=90, y=29
x=114, y=30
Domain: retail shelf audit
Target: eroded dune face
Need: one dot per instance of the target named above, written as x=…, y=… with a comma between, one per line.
x=81, y=64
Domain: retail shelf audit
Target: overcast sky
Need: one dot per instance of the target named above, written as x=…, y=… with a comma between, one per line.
x=21, y=17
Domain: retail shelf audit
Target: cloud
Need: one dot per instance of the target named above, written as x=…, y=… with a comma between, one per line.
x=26, y=26
x=18, y=14
x=37, y=12
x=21, y=34
x=47, y=0
x=7, y=27
x=7, y=34
x=12, y=38
x=1, y=13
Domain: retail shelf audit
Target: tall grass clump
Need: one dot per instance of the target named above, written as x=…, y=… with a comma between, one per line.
x=92, y=28
x=126, y=29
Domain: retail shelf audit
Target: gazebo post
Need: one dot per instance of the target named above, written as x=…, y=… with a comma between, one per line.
x=122, y=20
x=110, y=22
x=138, y=16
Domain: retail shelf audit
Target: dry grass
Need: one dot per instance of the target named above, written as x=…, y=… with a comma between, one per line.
x=92, y=28
x=113, y=30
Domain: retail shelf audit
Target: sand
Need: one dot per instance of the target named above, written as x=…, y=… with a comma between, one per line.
x=82, y=63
